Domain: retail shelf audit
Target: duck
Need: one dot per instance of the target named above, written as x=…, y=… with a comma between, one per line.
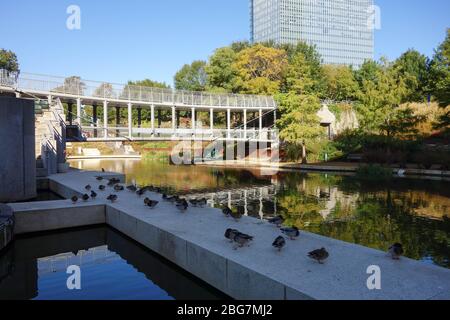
x=85, y=197
x=182, y=205
x=150, y=203
x=88, y=187
x=238, y=214
x=132, y=188
x=396, y=251
x=227, y=211
x=277, y=221
x=320, y=255
x=112, y=197
x=74, y=199
x=141, y=192
x=292, y=233
x=242, y=239
x=279, y=243
x=113, y=181
x=202, y=202
x=93, y=194
x=230, y=234
x=101, y=187
x=118, y=188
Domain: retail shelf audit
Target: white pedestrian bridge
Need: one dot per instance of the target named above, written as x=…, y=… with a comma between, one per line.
x=247, y=117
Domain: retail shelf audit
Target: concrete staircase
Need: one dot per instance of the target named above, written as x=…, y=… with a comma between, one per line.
x=46, y=130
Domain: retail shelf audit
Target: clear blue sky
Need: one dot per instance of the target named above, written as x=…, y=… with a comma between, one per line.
x=135, y=39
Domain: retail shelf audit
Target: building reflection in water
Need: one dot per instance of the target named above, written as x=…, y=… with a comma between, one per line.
x=35, y=268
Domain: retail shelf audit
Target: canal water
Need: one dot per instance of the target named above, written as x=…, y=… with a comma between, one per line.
x=414, y=212
x=112, y=266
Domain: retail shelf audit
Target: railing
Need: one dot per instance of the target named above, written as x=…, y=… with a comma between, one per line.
x=92, y=133
x=77, y=87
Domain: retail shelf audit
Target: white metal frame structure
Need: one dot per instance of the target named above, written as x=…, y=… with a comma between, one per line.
x=105, y=94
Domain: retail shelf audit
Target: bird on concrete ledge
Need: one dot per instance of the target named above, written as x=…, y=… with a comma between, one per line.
x=277, y=221
x=242, y=239
x=113, y=198
x=319, y=255
x=102, y=188
x=279, y=243
x=230, y=234
x=93, y=194
x=74, y=199
x=150, y=203
x=292, y=233
x=88, y=187
x=182, y=205
x=85, y=197
x=227, y=211
x=396, y=251
x=118, y=188
x=132, y=188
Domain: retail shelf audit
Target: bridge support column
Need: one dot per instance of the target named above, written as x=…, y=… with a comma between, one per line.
x=79, y=112
x=275, y=119
x=152, y=119
x=130, y=121
x=117, y=121
x=174, y=124
x=193, y=121
x=260, y=123
x=211, y=121
x=95, y=119
x=105, y=119
x=245, y=124
x=229, y=123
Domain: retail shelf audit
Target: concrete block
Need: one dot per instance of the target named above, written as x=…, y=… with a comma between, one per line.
x=246, y=284
x=18, y=162
x=208, y=266
x=55, y=215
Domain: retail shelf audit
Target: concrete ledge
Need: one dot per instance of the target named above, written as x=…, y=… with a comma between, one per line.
x=55, y=215
x=194, y=241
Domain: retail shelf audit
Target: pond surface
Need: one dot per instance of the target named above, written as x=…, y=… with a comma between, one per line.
x=112, y=266
x=413, y=212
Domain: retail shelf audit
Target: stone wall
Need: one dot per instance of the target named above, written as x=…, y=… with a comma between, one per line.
x=18, y=161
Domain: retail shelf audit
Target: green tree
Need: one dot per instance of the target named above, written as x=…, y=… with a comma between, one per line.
x=381, y=92
x=303, y=53
x=8, y=61
x=340, y=83
x=299, y=124
x=413, y=67
x=192, y=77
x=402, y=123
x=221, y=73
x=440, y=72
x=260, y=70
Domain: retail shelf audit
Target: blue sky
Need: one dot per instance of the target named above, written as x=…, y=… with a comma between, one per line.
x=135, y=39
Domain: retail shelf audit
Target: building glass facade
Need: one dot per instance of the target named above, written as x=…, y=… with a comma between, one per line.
x=340, y=29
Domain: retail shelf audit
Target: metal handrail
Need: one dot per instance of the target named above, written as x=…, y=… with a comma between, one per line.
x=102, y=90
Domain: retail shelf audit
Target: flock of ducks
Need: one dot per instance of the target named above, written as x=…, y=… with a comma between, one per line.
x=241, y=239
x=236, y=237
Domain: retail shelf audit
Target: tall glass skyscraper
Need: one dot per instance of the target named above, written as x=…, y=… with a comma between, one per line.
x=340, y=29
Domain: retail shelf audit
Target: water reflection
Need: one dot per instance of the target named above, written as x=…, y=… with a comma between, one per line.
x=374, y=214
x=112, y=266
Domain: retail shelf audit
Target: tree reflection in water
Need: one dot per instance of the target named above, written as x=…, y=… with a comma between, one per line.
x=374, y=214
